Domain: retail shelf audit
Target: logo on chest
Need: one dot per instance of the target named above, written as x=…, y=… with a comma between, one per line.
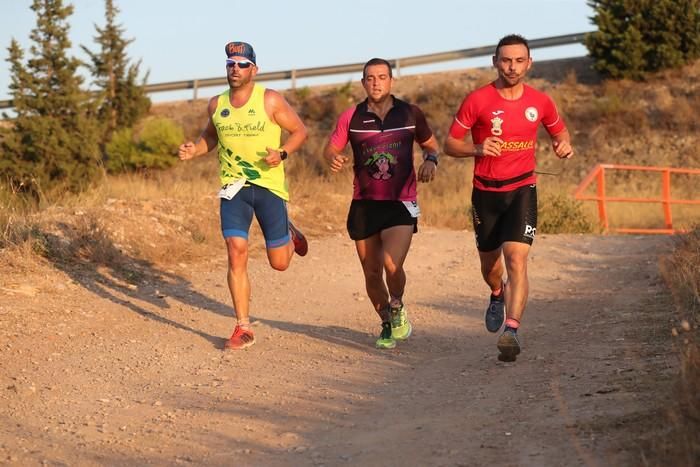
x=531, y=114
x=380, y=165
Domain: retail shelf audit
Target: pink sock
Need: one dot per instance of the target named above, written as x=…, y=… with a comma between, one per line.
x=512, y=323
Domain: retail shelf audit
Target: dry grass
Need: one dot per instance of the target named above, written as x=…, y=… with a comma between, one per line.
x=171, y=216
x=680, y=445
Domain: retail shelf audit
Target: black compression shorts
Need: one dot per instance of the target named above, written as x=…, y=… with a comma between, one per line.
x=369, y=217
x=504, y=216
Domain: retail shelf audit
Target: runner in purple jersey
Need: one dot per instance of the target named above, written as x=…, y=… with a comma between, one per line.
x=384, y=210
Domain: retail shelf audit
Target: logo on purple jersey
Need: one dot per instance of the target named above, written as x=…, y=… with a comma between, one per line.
x=380, y=165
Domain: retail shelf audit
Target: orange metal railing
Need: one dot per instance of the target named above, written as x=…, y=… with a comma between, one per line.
x=598, y=175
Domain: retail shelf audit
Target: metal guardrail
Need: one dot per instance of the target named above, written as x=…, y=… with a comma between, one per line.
x=397, y=63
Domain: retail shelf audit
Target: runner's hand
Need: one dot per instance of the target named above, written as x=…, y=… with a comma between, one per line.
x=427, y=171
x=337, y=162
x=490, y=147
x=273, y=158
x=186, y=151
x=562, y=149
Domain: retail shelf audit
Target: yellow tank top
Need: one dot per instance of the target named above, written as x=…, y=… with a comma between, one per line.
x=244, y=134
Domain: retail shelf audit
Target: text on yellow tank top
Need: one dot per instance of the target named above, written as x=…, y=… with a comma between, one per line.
x=244, y=134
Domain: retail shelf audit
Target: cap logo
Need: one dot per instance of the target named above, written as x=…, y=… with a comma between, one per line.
x=235, y=49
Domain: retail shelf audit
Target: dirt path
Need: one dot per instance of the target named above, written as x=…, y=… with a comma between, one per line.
x=94, y=371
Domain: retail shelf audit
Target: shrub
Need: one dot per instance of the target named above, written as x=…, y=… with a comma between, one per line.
x=152, y=147
x=558, y=213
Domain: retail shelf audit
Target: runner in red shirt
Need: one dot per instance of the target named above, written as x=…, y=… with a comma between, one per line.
x=502, y=119
x=384, y=211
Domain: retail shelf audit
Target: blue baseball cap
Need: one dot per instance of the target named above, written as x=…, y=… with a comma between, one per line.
x=240, y=49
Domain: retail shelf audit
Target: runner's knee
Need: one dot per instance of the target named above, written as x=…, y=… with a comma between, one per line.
x=279, y=264
x=237, y=254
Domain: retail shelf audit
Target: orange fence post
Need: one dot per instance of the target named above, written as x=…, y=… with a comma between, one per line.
x=666, y=197
x=602, y=211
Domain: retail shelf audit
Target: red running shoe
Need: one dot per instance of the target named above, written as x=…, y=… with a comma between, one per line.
x=240, y=339
x=301, y=246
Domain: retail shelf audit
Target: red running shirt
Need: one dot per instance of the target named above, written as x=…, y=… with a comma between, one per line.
x=485, y=112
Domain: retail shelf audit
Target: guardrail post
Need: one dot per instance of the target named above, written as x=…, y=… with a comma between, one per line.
x=602, y=211
x=666, y=197
x=195, y=86
x=294, y=79
x=398, y=68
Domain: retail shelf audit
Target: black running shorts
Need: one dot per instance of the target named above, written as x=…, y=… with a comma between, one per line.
x=504, y=216
x=369, y=217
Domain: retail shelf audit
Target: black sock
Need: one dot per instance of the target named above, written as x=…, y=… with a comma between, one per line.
x=513, y=330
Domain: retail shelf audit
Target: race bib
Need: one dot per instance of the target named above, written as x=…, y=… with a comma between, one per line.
x=412, y=207
x=229, y=190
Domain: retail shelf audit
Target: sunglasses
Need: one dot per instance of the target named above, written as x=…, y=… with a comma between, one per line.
x=241, y=64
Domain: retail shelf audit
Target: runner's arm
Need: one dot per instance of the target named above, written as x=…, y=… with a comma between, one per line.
x=466, y=148
x=426, y=171
x=561, y=143
x=333, y=152
x=334, y=156
x=207, y=140
x=282, y=113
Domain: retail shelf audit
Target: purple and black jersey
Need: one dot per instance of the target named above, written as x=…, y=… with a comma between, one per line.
x=382, y=150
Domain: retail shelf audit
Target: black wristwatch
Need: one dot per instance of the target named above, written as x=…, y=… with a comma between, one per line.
x=283, y=154
x=432, y=158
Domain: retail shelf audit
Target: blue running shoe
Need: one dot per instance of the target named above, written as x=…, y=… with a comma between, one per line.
x=495, y=314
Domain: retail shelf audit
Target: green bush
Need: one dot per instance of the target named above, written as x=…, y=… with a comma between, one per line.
x=558, y=213
x=153, y=147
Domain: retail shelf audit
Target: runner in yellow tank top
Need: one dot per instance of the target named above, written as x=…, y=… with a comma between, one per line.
x=245, y=133
x=246, y=123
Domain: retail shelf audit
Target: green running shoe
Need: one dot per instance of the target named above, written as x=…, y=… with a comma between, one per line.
x=400, y=326
x=386, y=341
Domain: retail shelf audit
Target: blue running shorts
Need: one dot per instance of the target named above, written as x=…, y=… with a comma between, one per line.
x=270, y=210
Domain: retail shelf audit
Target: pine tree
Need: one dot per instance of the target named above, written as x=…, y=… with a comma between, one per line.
x=123, y=100
x=636, y=37
x=55, y=135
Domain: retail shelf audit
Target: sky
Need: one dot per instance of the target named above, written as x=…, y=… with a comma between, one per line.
x=184, y=39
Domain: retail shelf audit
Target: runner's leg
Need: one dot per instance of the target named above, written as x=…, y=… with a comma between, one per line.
x=369, y=250
x=515, y=255
x=237, y=276
x=271, y=213
x=395, y=242
x=492, y=268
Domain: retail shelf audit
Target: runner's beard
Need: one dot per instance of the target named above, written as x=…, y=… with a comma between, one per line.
x=512, y=81
x=239, y=81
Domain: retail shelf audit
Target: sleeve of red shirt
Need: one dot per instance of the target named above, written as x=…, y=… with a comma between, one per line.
x=339, y=137
x=423, y=131
x=551, y=119
x=464, y=119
